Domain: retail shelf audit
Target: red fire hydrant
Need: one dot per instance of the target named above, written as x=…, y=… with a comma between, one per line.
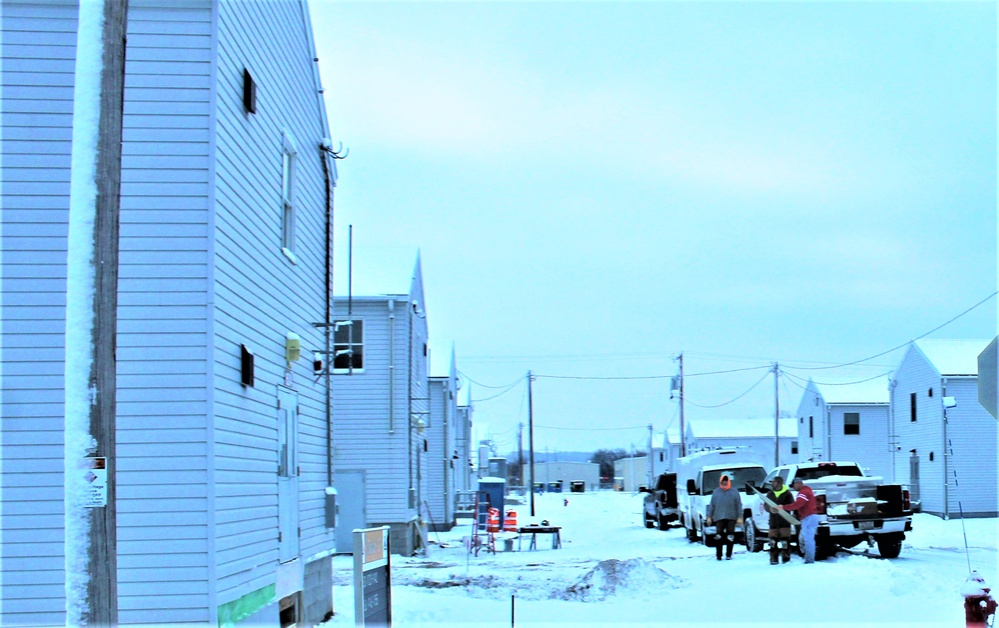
x=978, y=603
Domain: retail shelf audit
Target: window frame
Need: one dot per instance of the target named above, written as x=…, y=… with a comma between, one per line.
x=289, y=162
x=353, y=344
x=851, y=424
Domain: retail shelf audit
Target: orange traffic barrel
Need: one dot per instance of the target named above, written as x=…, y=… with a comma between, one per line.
x=510, y=521
x=492, y=523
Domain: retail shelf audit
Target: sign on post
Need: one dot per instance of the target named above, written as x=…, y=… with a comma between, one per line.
x=372, y=577
x=96, y=470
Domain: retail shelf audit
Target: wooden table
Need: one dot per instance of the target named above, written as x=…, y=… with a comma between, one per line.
x=534, y=531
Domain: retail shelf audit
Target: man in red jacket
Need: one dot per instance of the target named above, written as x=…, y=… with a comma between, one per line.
x=804, y=503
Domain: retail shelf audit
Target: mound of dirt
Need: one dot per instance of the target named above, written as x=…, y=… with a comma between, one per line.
x=634, y=577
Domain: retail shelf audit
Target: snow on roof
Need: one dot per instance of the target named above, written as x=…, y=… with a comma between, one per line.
x=744, y=428
x=953, y=357
x=374, y=270
x=842, y=390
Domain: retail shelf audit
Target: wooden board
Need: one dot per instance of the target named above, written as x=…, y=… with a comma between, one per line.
x=780, y=511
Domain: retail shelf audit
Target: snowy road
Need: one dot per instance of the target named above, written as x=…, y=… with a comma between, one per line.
x=611, y=570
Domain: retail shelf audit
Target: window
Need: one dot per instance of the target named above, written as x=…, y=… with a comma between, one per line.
x=348, y=346
x=289, y=155
x=811, y=427
x=929, y=393
x=794, y=447
x=851, y=423
x=912, y=407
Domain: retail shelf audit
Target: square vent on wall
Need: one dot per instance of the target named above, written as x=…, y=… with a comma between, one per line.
x=246, y=366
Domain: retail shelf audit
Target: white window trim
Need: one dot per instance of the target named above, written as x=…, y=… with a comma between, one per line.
x=360, y=343
x=289, y=149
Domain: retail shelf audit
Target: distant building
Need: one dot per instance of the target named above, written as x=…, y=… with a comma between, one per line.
x=636, y=471
x=567, y=472
x=839, y=419
x=443, y=464
x=947, y=456
x=672, y=449
x=757, y=433
x=381, y=394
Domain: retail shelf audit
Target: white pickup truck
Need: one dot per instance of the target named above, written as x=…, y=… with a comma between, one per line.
x=852, y=508
x=700, y=484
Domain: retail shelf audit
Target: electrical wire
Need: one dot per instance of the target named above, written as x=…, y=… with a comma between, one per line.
x=518, y=380
x=501, y=393
x=750, y=368
x=859, y=381
x=591, y=429
x=730, y=401
x=602, y=378
x=938, y=327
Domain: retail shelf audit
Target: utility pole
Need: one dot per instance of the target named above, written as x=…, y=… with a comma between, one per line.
x=776, y=417
x=520, y=453
x=89, y=425
x=651, y=461
x=530, y=433
x=683, y=432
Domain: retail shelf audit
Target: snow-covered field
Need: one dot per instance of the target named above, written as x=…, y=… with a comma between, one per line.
x=611, y=570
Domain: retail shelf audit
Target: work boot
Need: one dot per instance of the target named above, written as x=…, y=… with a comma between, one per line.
x=773, y=556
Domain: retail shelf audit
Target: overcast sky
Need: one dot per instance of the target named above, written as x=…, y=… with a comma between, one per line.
x=596, y=187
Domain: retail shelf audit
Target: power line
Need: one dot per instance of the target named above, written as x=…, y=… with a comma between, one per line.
x=499, y=394
x=592, y=429
x=517, y=381
x=733, y=400
x=859, y=381
x=598, y=377
x=818, y=368
x=750, y=368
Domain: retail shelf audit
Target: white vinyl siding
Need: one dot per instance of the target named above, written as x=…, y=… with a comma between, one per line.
x=974, y=436
x=163, y=459
x=259, y=296
x=38, y=64
x=916, y=375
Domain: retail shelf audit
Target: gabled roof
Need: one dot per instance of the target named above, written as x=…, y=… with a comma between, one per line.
x=375, y=270
x=846, y=391
x=953, y=357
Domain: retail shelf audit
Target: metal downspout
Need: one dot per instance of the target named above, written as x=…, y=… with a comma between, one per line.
x=328, y=320
x=446, y=456
x=391, y=396
x=946, y=456
x=409, y=402
x=892, y=435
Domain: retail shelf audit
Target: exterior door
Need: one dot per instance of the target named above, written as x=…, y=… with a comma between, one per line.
x=350, y=506
x=288, y=469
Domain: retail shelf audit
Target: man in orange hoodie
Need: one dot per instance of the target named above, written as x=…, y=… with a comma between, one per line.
x=725, y=510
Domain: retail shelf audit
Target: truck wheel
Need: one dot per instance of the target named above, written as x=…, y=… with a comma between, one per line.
x=648, y=521
x=753, y=541
x=704, y=536
x=661, y=521
x=889, y=548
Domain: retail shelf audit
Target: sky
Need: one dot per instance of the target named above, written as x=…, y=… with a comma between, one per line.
x=620, y=574
x=596, y=187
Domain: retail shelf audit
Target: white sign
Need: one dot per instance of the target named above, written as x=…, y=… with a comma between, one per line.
x=96, y=473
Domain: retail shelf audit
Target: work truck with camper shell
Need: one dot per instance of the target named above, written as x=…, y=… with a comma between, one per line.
x=853, y=508
x=699, y=476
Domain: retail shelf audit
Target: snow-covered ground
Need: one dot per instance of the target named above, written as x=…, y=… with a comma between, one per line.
x=611, y=570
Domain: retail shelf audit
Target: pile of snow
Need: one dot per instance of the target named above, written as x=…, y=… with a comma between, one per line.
x=610, y=577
